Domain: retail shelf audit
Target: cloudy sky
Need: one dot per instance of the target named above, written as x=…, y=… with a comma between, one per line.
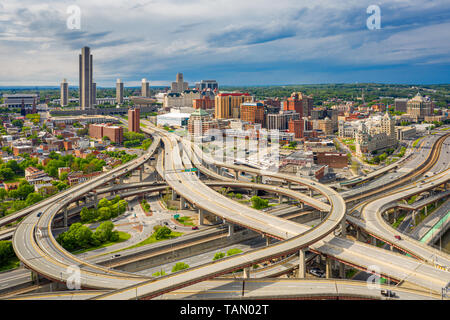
x=237, y=42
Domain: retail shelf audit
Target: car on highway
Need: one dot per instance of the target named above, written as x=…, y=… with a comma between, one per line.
x=398, y=237
x=388, y=293
x=39, y=214
x=195, y=228
x=317, y=272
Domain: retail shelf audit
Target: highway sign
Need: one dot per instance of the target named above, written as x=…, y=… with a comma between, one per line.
x=191, y=170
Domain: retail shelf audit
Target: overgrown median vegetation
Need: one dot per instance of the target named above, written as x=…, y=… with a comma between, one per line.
x=8, y=259
x=136, y=140
x=106, y=210
x=79, y=238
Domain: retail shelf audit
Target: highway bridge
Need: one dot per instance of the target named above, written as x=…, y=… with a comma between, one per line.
x=47, y=258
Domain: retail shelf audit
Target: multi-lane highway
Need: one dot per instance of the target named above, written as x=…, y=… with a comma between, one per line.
x=43, y=254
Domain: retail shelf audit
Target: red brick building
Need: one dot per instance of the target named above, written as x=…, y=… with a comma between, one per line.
x=114, y=133
x=203, y=103
x=296, y=127
x=332, y=159
x=134, y=120
x=252, y=112
x=294, y=104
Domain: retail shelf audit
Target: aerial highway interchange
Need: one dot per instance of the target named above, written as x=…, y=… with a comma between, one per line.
x=38, y=250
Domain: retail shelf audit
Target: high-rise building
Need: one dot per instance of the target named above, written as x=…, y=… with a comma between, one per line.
x=300, y=103
x=64, y=93
x=280, y=121
x=86, y=87
x=94, y=94
x=294, y=103
x=119, y=91
x=252, y=112
x=419, y=107
x=179, y=86
x=207, y=84
x=296, y=127
x=227, y=105
x=400, y=104
x=134, y=118
x=145, y=88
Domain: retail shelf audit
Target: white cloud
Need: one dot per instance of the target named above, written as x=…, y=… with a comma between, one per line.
x=130, y=38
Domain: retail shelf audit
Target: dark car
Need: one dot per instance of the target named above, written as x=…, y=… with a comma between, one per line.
x=388, y=293
x=398, y=237
x=39, y=214
x=195, y=228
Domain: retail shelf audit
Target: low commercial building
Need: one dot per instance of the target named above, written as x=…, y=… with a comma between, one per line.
x=114, y=133
x=332, y=159
x=177, y=119
x=18, y=150
x=405, y=133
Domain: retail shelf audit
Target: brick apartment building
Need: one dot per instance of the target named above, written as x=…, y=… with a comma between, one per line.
x=114, y=133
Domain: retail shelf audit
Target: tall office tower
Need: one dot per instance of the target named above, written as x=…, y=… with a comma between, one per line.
x=228, y=104
x=94, y=95
x=179, y=86
x=401, y=104
x=86, y=78
x=134, y=118
x=145, y=89
x=119, y=91
x=207, y=84
x=419, y=107
x=64, y=93
x=252, y=112
x=294, y=103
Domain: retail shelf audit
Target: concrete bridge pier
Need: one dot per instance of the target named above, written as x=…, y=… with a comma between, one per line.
x=246, y=273
x=343, y=227
x=65, y=217
x=289, y=185
x=280, y=198
x=174, y=195
x=328, y=268
x=230, y=229
x=201, y=217
x=358, y=234
x=96, y=200
x=311, y=192
x=268, y=241
x=236, y=175
x=301, y=264
x=141, y=173
x=182, y=203
x=341, y=270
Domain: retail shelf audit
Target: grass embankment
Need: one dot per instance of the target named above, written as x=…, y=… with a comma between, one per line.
x=153, y=239
x=186, y=221
x=123, y=236
x=415, y=143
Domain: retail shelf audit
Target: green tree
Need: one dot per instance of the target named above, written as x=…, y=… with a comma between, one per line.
x=33, y=198
x=104, y=232
x=162, y=233
x=258, y=203
x=104, y=213
x=63, y=176
x=6, y=252
x=88, y=215
x=3, y=194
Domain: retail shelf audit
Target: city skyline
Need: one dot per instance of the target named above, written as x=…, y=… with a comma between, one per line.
x=290, y=43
